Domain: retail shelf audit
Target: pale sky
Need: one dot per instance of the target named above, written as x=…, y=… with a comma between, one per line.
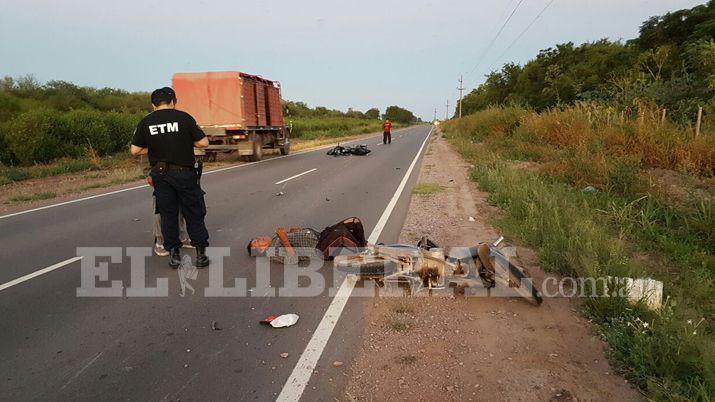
x=337, y=54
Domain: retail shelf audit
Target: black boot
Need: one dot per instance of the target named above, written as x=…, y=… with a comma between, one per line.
x=175, y=258
x=202, y=260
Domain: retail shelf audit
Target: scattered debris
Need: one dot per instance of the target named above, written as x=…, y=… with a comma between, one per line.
x=214, y=326
x=285, y=320
x=357, y=150
x=427, y=266
x=136, y=219
x=337, y=363
x=589, y=189
x=646, y=290
x=280, y=193
x=284, y=355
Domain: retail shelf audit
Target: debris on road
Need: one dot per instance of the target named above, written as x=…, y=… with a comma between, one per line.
x=337, y=363
x=279, y=194
x=285, y=320
x=357, y=150
x=427, y=266
x=284, y=355
x=214, y=326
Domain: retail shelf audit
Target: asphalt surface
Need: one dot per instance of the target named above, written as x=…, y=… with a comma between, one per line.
x=57, y=346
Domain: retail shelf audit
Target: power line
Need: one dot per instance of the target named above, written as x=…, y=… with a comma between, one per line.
x=496, y=36
x=543, y=10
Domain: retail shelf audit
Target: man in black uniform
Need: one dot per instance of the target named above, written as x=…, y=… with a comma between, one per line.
x=169, y=136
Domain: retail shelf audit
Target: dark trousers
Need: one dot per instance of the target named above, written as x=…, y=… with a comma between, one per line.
x=387, y=137
x=180, y=190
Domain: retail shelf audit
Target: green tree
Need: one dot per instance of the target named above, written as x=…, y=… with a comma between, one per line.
x=399, y=115
x=372, y=113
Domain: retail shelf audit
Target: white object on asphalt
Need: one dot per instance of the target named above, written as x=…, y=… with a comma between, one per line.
x=285, y=320
x=471, y=219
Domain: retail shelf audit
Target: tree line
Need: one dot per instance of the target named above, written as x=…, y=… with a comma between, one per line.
x=302, y=110
x=670, y=64
x=41, y=122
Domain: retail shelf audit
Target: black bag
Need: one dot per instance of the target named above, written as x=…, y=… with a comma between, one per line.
x=348, y=233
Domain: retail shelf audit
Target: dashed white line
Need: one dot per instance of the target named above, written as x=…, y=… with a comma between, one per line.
x=38, y=273
x=296, y=176
x=27, y=211
x=299, y=377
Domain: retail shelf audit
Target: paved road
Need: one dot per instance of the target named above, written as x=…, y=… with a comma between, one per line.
x=57, y=346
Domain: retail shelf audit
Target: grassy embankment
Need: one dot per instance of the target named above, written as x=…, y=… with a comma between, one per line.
x=635, y=224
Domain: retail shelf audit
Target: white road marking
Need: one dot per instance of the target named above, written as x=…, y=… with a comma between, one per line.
x=296, y=176
x=298, y=380
x=146, y=185
x=38, y=273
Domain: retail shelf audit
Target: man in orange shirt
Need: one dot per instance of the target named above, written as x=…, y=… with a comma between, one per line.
x=386, y=135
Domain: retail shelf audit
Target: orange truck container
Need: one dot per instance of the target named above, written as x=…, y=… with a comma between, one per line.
x=238, y=112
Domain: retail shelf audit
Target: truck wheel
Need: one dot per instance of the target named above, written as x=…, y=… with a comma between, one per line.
x=285, y=149
x=257, y=151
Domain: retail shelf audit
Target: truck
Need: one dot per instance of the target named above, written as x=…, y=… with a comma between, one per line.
x=239, y=113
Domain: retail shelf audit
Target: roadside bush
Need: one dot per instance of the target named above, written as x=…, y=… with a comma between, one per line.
x=34, y=136
x=43, y=135
x=9, y=106
x=120, y=127
x=494, y=123
x=83, y=130
x=6, y=156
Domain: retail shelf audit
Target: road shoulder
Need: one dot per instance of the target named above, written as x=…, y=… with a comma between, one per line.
x=475, y=348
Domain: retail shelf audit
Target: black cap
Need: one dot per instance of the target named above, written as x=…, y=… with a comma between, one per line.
x=163, y=95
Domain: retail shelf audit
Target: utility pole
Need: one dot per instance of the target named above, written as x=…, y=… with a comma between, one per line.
x=446, y=113
x=435, y=114
x=460, y=88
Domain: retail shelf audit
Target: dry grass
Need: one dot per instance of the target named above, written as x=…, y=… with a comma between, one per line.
x=608, y=232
